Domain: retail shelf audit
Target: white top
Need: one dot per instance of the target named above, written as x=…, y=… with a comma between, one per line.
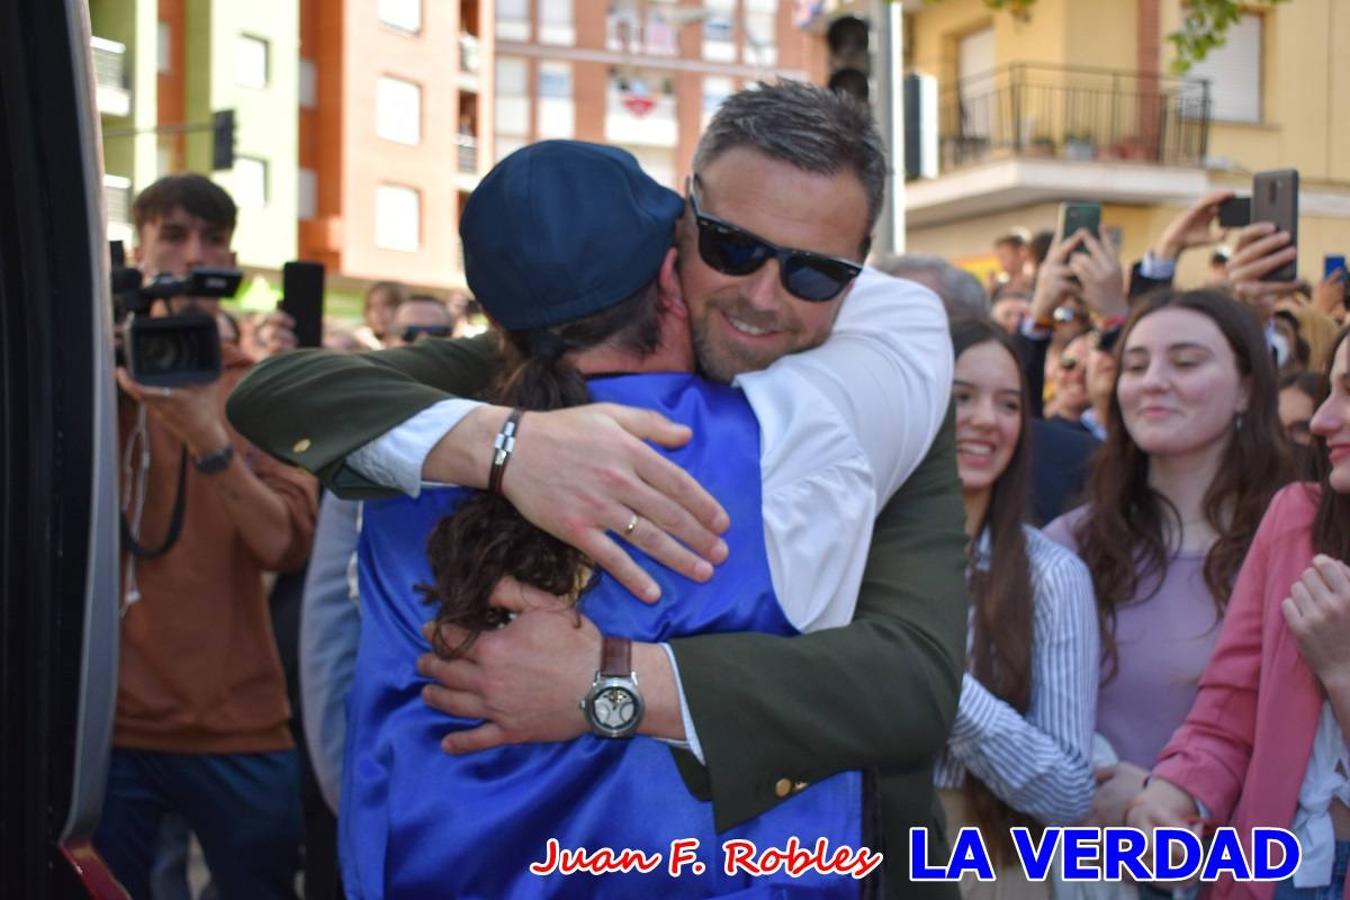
x=1039, y=764
x=842, y=426
x=1327, y=778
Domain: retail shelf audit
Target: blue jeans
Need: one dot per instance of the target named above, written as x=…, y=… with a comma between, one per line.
x=244, y=808
x=1285, y=890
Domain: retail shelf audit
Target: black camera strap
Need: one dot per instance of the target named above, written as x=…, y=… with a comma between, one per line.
x=129, y=541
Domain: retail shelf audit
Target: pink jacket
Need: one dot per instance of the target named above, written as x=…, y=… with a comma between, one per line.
x=1244, y=747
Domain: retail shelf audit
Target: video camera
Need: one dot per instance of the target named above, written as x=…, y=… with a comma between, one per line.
x=170, y=351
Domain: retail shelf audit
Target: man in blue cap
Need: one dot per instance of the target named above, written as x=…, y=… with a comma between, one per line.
x=788, y=185
x=567, y=310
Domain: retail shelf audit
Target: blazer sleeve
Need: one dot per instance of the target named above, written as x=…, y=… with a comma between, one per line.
x=879, y=693
x=311, y=408
x=1207, y=756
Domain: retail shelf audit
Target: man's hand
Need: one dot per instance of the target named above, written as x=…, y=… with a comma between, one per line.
x=193, y=413
x=525, y=679
x=582, y=474
x=1260, y=249
x=1098, y=271
x=1056, y=281
x=1193, y=228
x=1117, y=785
x=1317, y=611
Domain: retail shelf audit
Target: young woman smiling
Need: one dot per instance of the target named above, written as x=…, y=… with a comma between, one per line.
x=1193, y=454
x=1268, y=740
x=1019, y=752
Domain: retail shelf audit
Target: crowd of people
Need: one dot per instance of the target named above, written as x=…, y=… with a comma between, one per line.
x=749, y=541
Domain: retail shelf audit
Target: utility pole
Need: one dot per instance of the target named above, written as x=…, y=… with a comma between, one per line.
x=888, y=31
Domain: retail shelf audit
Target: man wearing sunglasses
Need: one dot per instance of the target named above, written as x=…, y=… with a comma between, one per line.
x=770, y=246
x=419, y=317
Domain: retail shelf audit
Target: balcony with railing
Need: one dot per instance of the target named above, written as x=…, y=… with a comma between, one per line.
x=1026, y=133
x=111, y=79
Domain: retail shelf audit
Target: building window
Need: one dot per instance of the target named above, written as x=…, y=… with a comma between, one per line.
x=557, y=117
x=398, y=110
x=165, y=48
x=761, y=32
x=555, y=23
x=513, y=20
x=719, y=31
x=659, y=163
x=623, y=27
x=398, y=218
x=1234, y=73
x=640, y=109
x=507, y=144
x=250, y=182
x=715, y=90
x=663, y=37
x=513, y=96
x=405, y=15
x=979, y=99
x=250, y=62
x=307, y=199
x=309, y=95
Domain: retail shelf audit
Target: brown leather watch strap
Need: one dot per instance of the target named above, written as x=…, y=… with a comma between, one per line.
x=616, y=657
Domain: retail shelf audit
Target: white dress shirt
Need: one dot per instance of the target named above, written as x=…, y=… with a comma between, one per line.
x=842, y=426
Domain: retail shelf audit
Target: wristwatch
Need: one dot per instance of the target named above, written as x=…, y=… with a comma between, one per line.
x=613, y=706
x=215, y=461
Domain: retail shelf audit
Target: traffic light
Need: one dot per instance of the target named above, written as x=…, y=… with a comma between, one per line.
x=222, y=140
x=850, y=56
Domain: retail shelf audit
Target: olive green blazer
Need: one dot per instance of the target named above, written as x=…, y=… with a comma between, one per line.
x=879, y=694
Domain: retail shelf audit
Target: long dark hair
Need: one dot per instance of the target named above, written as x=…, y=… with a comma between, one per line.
x=1123, y=537
x=1001, y=594
x=1331, y=527
x=484, y=539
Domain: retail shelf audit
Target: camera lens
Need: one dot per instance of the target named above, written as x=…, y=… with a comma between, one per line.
x=159, y=352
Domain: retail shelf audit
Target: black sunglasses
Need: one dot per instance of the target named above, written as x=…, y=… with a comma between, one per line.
x=734, y=251
x=413, y=332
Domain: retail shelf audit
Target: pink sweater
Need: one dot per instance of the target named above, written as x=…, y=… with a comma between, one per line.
x=1244, y=748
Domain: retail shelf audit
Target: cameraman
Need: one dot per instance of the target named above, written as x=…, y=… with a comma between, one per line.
x=201, y=721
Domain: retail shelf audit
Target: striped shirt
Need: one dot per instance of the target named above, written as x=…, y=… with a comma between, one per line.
x=1039, y=764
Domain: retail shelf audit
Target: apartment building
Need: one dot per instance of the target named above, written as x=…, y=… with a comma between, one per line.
x=1075, y=100
x=391, y=109
x=642, y=74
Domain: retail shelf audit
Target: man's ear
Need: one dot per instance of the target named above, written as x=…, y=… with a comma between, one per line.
x=138, y=254
x=669, y=291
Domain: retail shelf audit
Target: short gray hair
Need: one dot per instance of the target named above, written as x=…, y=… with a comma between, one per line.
x=959, y=291
x=805, y=125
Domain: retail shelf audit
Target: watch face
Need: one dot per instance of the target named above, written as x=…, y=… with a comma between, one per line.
x=615, y=707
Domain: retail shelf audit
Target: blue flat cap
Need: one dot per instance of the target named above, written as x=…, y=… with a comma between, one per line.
x=560, y=230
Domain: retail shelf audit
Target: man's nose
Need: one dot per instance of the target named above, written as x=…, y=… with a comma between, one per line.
x=193, y=249
x=764, y=290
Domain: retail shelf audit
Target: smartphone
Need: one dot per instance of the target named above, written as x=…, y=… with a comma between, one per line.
x=1275, y=199
x=302, y=300
x=1080, y=214
x=1235, y=212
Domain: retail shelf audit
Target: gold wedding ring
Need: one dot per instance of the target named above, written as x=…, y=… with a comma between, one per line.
x=632, y=524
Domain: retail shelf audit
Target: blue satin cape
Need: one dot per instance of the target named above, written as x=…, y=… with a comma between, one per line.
x=418, y=823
